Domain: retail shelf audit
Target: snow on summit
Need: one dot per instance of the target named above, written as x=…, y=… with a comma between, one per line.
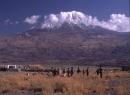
x=117, y=22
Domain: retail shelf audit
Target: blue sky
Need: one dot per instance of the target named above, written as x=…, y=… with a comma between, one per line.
x=13, y=13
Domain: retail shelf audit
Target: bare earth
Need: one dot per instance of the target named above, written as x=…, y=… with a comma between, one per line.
x=117, y=83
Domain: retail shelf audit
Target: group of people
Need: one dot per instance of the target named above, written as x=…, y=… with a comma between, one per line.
x=64, y=72
x=70, y=71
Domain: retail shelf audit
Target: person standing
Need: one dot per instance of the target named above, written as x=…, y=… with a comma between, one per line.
x=83, y=72
x=72, y=71
x=78, y=71
x=87, y=71
x=100, y=71
x=68, y=72
x=64, y=73
x=58, y=72
x=97, y=71
x=54, y=72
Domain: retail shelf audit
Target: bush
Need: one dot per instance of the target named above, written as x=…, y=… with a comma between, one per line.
x=75, y=85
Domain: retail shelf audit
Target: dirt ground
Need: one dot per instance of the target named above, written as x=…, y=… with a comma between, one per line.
x=113, y=83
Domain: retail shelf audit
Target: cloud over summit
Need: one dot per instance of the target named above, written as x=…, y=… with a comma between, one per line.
x=117, y=22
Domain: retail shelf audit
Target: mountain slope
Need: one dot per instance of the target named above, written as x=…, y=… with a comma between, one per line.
x=65, y=45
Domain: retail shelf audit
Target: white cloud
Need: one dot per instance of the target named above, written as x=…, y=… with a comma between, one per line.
x=16, y=22
x=32, y=20
x=117, y=22
x=7, y=20
x=11, y=23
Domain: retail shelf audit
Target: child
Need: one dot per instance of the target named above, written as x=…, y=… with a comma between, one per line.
x=68, y=72
x=64, y=73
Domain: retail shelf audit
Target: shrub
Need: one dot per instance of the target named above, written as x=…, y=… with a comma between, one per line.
x=75, y=85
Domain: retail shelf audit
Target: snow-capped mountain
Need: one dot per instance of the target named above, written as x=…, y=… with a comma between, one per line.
x=116, y=22
x=71, y=18
x=67, y=37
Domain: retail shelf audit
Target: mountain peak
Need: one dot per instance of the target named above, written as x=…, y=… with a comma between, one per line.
x=116, y=22
x=72, y=18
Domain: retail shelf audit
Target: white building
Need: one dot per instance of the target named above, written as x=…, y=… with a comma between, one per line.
x=11, y=66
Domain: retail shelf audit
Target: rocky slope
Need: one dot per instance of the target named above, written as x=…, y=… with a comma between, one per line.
x=65, y=44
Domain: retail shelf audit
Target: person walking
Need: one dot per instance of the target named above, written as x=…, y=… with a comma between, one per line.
x=100, y=71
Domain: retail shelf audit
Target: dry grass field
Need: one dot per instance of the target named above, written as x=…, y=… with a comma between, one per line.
x=40, y=84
